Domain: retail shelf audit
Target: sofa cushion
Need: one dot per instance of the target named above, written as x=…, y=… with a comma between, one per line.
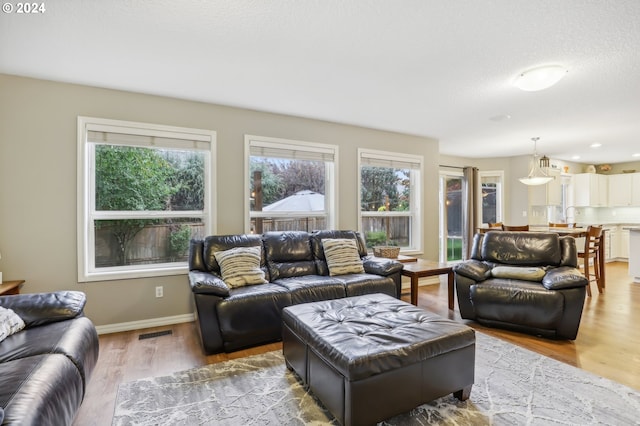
x=288, y=254
x=519, y=273
x=564, y=277
x=342, y=256
x=10, y=323
x=240, y=266
x=517, y=302
x=45, y=308
x=76, y=339
x=216, y=243
x=312, y=288
x=40, y=390
x=522, y=248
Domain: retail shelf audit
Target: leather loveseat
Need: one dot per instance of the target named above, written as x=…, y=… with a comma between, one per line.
x=524, y=281
x=45, y=367
x=295, y=271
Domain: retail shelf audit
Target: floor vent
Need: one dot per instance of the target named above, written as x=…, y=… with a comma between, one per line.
x=156, y=334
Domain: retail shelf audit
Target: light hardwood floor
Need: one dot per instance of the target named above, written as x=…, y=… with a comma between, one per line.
x=608, y=344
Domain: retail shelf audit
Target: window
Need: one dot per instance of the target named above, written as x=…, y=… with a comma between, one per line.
x=290, y=185
x=491, y=193
x=144, y=191
x=390, y=199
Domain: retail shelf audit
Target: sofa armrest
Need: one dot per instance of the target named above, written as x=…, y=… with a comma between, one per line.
x=207, y=283
x=473, y=269
x=563, y=277
x=43, y=308
x=381, y=266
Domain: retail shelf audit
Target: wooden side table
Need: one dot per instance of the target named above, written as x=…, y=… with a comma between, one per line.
x=427, y=268
x=10, y=287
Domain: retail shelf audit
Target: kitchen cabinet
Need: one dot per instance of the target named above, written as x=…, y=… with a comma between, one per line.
x=590, y=190
x=617, y=243
x=635, y=189
x=549, y=194
x=634, y=252
x=620, y=190
x=624, y=190
x=623, y=244
x=610, y=246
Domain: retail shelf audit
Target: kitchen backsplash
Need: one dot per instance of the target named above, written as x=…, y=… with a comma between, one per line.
x=606, y=215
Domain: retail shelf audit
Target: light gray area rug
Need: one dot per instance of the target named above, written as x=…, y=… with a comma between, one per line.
x=513, y=386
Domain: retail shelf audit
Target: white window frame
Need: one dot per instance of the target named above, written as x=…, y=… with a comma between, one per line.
x=201, y=140
x=398, y=160
x=499, y=174
x=303, y=147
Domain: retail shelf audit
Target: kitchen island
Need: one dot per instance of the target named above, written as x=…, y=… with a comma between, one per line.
x=634, y=253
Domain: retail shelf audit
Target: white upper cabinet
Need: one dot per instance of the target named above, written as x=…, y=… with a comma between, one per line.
x=620, y=190
x=624, y=190
x=590, y=190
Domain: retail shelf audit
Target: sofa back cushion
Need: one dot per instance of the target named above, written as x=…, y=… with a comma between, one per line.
x=522, y=248
x=318, y=249
x=216, y=243
x=288, y=254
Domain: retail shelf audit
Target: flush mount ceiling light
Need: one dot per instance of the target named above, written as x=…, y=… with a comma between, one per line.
x=536, y=175
x=540, y=78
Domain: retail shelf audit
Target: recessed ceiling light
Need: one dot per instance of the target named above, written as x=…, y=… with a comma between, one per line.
x=500, y=117
x=637, y=154
x=539, y=78
x=595, y=145
x=575, y=157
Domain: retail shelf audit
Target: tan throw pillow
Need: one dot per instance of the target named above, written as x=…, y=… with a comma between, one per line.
x=10, y=323
x=240, y=266
x=342, y=256
x=518, y=273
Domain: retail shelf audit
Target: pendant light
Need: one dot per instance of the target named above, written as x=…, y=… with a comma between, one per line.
x=536, y=176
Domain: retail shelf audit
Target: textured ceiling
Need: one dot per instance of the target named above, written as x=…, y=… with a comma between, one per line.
x=441, y=69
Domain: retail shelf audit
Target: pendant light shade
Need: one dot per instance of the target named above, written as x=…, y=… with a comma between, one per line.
x=536, y=175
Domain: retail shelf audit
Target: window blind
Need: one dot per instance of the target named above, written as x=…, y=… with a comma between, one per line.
x=380, y=160
x=129, y=137
x=291, y=151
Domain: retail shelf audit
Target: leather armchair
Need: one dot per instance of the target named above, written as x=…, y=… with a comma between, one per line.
x=524, y=281
x=44, y=368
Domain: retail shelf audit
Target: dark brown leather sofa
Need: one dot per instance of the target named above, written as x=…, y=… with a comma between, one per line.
x=296, y=270
x=523, y=281
x=44, y=369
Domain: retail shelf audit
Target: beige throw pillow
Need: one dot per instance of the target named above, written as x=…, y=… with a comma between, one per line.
x=10, y=323
x=519, y=273
x=240, y=266
x=342, y=256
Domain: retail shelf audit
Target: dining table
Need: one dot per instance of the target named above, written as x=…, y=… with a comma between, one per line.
x=564, y=231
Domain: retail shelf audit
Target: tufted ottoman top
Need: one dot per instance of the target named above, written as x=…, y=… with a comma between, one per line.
x=366, y=335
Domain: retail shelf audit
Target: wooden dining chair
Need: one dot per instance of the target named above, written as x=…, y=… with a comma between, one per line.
x=591, y=252
x=561, y=225
x=515, y=227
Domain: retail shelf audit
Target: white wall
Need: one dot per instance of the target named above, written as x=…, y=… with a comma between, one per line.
x=38, y=183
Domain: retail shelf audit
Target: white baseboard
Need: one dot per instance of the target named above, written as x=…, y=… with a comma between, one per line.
x=148, y=323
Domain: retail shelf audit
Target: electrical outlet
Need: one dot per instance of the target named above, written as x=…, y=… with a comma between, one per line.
x=159, y=291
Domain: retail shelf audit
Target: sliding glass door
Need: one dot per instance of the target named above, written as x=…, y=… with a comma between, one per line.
x=451, y=186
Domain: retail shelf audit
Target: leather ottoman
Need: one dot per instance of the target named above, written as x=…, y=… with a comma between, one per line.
x=371, y=357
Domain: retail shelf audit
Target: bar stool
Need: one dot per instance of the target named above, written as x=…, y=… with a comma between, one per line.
x=592, y=251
